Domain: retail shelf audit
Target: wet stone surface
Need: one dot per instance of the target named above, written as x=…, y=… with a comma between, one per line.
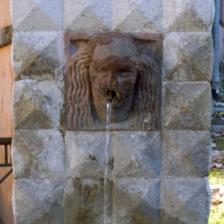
x=135, y=154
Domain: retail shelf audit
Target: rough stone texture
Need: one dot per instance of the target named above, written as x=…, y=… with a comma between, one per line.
x=132, y=201
x=38, y=201
x=186, y=106
x=188, y=56
x=41, y=15
x=38, y=154
x=137, y=16
x=85, y=154
x=136, y=201
x=135, y=155
x=37, y=55
x=136, y=158
x=186, y=153
x=155, y=179
x=103, y=15
x=88, y=16
x=184, y=201
x=83, y=201
x=37, y=105
x=188, y=15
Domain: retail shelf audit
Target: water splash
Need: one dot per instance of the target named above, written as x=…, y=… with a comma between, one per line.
x=107, y=170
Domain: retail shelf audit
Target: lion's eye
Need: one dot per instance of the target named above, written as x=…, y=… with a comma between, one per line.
x=125, y=73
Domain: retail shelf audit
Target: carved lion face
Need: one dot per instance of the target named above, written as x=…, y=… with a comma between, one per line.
x=115, y=67
x=113, y=76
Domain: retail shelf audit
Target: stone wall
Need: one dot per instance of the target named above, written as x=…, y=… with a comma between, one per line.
x=160, y=176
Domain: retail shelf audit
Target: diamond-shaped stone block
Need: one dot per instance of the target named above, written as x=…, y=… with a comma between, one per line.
x=188, y=57
x=137, y=16
x=186, y=153
x=37, y=105
x=136, y=154
x=38, y=154
x=129, y=201
x=37, y=54
x=84, y=201
x=186, y=106
x=184, y=201
x=87, y=15
x=129, y=154
x=136, y=201
x=38, y=201
x=37, y=15
x=85, y=154
x=188, y=15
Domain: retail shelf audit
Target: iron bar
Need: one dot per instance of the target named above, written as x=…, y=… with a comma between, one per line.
x=2, y=179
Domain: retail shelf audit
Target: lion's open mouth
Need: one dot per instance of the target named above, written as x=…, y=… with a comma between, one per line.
x=111, y=94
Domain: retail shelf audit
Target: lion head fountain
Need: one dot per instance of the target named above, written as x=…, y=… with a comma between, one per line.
x=110, y=67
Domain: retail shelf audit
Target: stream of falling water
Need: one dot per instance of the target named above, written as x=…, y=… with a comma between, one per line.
x=107, y=174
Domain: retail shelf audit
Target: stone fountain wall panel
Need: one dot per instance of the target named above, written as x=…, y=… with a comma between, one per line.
x=38, y=154
x=187, y=105
x=136, y=173
x=187, y=56
x=184, y=200
x=38, y=55
x=83, y=201
x=38, y=104
x=160, y=175
x=188, y=15
x=135, y=155
x=137, y=16
x=39, y=170
x=190, y=154
x=38, y=201
x=136, y=200
x=88, y=16
x=31, y=15
x=103, y=15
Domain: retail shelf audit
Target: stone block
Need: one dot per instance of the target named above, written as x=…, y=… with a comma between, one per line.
x=137, y=16
x=184, y=201
x=186, y=106
x=186, y=153
x=129, y=201
x=38, y=201
x=188, y=15
x=41, y=15
x=136, y=201
x=38, y=55
x=37, y=105
x=136, y=154
x=38, y=154
x=85, y=154
x=131, y=154
x=84, y=201
x=188, y=57
x=87, y=15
